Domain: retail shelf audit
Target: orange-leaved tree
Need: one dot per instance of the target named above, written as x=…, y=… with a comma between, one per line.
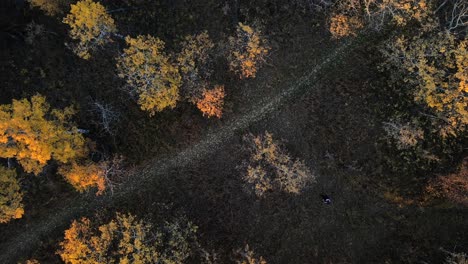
x=84, y=176
x=90, y=25
x=125, y=239
x=212, y=101
x=247, y=51
x=11, y=206
x=149, y=73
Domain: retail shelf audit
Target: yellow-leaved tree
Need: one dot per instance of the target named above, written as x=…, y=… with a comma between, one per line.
x=11, y=206
x=90, y=25
x=247, y=51
x=149, y=73
x=125, y=239
x=436, y=65
x=33, y=133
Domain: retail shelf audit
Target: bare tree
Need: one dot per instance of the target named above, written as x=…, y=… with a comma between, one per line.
x=114, y=172
x=106, y=117
x=456, y=14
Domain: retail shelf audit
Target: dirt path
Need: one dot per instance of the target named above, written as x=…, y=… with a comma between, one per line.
x=30, y=237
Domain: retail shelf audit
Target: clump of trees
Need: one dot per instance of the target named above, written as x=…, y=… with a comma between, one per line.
x=195, y=61
x=34, y=134
x=160, y=79
x=435, y=64
x=349, y=16
x=127, y=239
x=271, y=168
x=247, y=51
x=11, y=206
x=90, y=26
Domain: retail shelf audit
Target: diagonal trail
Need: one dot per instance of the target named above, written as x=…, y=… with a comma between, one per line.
x=266, y=107
x=30, y=237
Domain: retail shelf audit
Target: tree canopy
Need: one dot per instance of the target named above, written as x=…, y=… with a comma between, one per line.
x=33, y=133
x=126, y=239
x=90, y=25
x=149, y=73
x=248, y=50
x=436, y=65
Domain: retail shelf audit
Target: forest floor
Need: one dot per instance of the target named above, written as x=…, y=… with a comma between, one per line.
x=316, y=98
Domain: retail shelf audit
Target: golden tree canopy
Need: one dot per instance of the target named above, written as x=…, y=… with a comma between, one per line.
x=438, y=67
x=11, y=206
x=248, y=50
x=33, y=134
x=123, y=240
x=90, y=25
x=149, y=73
